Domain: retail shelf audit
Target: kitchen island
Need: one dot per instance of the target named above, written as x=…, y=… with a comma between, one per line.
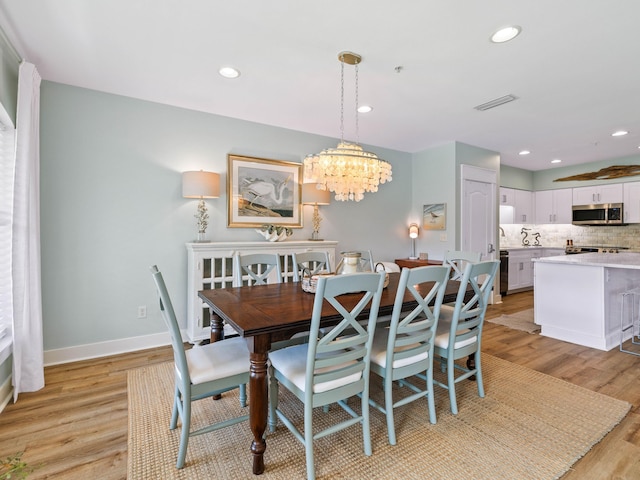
x=578, y=298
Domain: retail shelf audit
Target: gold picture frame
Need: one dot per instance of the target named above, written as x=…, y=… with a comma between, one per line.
x=261, y=191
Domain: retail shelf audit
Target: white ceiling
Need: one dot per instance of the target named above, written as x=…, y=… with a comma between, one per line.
x=575, y=67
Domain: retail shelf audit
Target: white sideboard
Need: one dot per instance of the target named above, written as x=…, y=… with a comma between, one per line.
x=210, y=265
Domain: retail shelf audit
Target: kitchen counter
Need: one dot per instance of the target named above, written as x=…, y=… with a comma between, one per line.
x=626, y=260
x=577, y=298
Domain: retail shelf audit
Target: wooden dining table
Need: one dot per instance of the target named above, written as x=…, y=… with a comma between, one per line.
x=266, y=314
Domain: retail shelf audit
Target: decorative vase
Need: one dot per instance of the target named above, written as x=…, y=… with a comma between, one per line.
x=202, y=237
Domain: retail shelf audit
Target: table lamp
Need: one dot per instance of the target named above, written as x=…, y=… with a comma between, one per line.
x=201, y=185
x=311, y=195
x=413, y=234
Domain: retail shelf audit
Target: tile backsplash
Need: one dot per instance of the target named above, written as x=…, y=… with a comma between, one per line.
x=557, y=235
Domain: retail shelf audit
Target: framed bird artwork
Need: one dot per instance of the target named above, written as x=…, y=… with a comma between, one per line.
x=262, y=191
x=434, y=216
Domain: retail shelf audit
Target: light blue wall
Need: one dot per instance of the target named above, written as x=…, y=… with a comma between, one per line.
x=434, y=177
x=9, y=66
x=519, y=178
x=112, y=206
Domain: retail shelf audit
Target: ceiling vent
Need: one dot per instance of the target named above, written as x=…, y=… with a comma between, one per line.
x=496, y=102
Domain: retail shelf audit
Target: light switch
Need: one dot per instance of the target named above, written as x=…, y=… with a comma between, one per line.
x=443, y=237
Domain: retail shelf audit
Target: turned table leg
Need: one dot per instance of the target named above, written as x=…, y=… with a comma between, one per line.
x=258, y=398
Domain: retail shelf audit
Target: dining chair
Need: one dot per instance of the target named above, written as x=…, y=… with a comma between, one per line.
x=459, y=331
x=258, y=268
x=201, y=372
x=458, y=260
x=405, y=347
x=333, y=367
x=314, y=261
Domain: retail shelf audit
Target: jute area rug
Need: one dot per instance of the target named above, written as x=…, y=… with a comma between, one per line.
x=522, y=320
x=529, y=426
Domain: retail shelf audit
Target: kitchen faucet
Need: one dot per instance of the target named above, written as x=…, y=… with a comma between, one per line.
x=501, y=232
x=523, y=232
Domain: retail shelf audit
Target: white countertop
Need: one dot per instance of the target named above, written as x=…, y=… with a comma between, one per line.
x=628, y=260
x=531, y=247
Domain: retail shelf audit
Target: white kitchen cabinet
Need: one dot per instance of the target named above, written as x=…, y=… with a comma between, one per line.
x=610, y=193
x=210, y=265
x=631, y=198
x=521, y=268
x=553, y=206
x=507, y=196
x=523, y=206
x=516, y=206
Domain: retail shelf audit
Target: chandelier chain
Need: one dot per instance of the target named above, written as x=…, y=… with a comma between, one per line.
x=357, y=126
x=342, y=100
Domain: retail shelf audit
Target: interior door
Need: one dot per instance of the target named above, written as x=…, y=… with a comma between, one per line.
x=478, y=214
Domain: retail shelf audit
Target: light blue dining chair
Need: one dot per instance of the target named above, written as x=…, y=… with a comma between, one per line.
x=313, y=261
x=458, y=260
x=203, y=371
x=258, y=269
x=459, y=332
x=405, y=347
x=331, y=368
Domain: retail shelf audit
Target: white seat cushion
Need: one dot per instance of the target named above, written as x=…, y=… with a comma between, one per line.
x=217, y=360
x=379, y=352
x=444, y=325
x=292, y=363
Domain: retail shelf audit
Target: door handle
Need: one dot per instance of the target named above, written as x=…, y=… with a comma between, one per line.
x=491, y=248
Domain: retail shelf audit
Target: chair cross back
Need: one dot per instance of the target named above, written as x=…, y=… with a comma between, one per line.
x=258, y=267
x=315, y=262
x=458, y=260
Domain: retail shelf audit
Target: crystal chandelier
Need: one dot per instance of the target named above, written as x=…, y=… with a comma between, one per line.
x=347, y=170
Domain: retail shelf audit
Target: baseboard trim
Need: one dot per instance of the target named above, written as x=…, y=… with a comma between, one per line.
x=105, y=349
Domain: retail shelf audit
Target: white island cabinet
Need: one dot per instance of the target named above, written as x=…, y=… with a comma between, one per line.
x=578, y=297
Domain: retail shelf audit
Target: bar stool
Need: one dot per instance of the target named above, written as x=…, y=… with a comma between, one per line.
x=631, y=300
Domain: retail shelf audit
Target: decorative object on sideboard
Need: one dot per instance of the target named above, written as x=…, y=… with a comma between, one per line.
x=275, y=233
x=347, y=170
x=260, y=191
x=413, y=234
x=201, y=185
x=608, y=173
x=314, y=194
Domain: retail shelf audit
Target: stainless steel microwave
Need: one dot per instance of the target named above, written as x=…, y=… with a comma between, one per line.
x=598, y=214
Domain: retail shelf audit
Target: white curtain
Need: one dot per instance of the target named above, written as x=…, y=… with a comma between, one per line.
x=28, y=348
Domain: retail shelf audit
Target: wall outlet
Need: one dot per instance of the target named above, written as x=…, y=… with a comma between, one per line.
x=142, y=311
x=443, y=237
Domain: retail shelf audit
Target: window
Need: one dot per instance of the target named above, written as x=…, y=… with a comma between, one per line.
x=7, y=171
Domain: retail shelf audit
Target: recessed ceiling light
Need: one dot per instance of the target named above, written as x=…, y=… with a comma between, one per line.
x=619, y=133
x=556, y=160
x=524, y=152
x=505, y=34
x=365, y=109
x=229, y=72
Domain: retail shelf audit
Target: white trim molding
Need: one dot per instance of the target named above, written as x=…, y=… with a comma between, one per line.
x=105, y=349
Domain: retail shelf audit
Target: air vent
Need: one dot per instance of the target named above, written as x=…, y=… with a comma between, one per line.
x=496, y=102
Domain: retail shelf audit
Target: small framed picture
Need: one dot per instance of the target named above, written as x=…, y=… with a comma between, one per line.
x=262, y=191
x=434, y=216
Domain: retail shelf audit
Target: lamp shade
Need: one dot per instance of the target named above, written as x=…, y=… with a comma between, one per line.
x=413, y=230
x=200, y=184
x=312, y=196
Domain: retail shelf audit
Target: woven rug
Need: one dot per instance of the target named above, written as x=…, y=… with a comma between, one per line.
x=522, y=320
x=529, y=426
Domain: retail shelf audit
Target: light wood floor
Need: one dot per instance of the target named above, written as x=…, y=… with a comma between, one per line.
x=76, y=427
